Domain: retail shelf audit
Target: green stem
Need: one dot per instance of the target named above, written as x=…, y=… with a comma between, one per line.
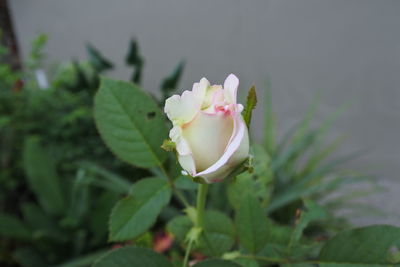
x=200, y=205
x=181, y=197
x=187, y=253
x=175, y=190
x=199, y=223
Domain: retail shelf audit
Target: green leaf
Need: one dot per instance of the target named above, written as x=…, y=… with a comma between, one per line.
x=185, y=183
x=366, y=245
x=344, y=264
x=42, y=224
x=311, y=212
x=4, y=121
x=135, y=214
x=168, y=145
x=107, y=179
x=42, y=176
x=35, y=217
x=218, y=235
x=308, y=265
x=83, y=261
x=130, y=123
x=305, y=186
x=251, y=224
x=216, y=263
x=134, y=59
x=132, y=257
x=257, y=183
x=247, y=262
x=99, y=215
x=170, y=83
x=319, y=155
x=36, y=54
x=284, y=158
x=29, y=257
x=277, y=241
x=179, y=227
x=79, y=203
x=12, y=227
x=250, y=105
x=98, y=61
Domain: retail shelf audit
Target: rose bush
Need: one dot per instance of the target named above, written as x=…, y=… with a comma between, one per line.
x=209, y=132
x=265, y=217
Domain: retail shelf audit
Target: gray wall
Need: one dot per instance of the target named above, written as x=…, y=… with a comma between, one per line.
x=346, y=49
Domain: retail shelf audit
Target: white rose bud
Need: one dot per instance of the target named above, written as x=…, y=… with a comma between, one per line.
x=210, y=134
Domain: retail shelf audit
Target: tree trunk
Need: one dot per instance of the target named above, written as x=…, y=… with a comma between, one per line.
x=8, y=36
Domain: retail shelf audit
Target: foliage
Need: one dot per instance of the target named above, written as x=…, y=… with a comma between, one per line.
x=266, y=216
x=56, y=187
x=134, y=59
x=133, y=215
x=133, y=256
x=130, y=123
x=63, y=190
x=69, y=218
x=169, y=84
x=45, y=135
x=250, y=105
x=304, y=165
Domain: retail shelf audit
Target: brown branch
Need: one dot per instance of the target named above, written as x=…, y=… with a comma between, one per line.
x=8, y=38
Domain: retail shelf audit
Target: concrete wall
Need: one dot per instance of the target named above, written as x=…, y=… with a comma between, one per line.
x=346, y=49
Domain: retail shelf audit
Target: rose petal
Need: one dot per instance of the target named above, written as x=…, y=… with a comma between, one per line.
x=208, y=136
x=182, y=146
x=236, y=151
x=187, y=163
x=182, y=109
x=231, y=85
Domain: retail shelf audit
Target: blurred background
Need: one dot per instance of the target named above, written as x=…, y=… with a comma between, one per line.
x=345, y=51
x=326, y=125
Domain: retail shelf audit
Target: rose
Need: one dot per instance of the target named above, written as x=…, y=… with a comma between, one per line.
x=210, y=135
